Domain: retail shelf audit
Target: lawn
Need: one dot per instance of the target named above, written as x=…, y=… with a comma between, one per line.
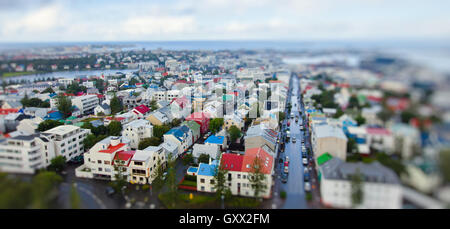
x=12, y=74
x=198, y=201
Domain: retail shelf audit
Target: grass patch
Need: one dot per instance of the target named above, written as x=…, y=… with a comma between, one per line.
x=183, y=202
x=13, y=74
x=283, y=194
x=242, y=202
x=189, y=183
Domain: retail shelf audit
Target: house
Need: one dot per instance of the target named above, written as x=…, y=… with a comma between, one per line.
x=12, y=105
x=158, y=118
x=182, y=136
x=220, y=141
x=36, y=111
x=407, y=139
x=68, y=140
x=195, y=129
x=329, y=139
x=99, y=160
x=29, y=125
x=233, y=120
x=380, y=139
x=212, y=150
x=381, y=186
x=180, y=107
x=258, y=136
x=102, y=108
x=240, y=167
x=170, y=148
x=144, y=164
x=86, y=103
x=141, y=111
x=12, y=120
x=136, y=131
x=202, y=119
x=205, y=176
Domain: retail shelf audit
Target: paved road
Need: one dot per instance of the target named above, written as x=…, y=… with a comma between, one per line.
x=294, y=187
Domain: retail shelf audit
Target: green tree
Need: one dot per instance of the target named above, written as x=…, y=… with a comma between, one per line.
x=91, y=140
x=234, y=132
x=45, y=189
x=203, y=158
x=257, y=178
x=158, y=180
x=360, y=120
x=146, y=142
x=153, y=105
x=75, y=200
x=281, y=116
x=175, y=122
x=407, y=115
x=116, y=105
x=339, y=113
x=65, y=106
x=215, y=125
x=172, y=191
x=114, y=128
x=48, y=90
x=357, y=193
x=220, y=181
x=160, y=130
x=444, y=164
x=352, y=146
x=188, y=159
x=57, y=164
x=120, y=176
x=48, y=124
x=385, y=115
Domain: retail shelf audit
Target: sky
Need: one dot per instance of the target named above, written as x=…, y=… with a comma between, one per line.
x=181, y=20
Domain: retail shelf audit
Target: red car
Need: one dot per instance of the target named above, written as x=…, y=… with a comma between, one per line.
x=289, y=123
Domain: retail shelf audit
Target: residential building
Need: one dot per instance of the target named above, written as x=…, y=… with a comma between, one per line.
x=329, y=139
x=86, y=103
x=136, y=131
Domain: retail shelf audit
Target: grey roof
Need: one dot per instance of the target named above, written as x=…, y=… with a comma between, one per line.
x=336, y=169
x=324, y=131
x=25, y=137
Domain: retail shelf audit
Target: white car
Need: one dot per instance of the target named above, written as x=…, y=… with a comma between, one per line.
x=287, y=159
x=305, y=170
x=307, y=186
x=305, y=161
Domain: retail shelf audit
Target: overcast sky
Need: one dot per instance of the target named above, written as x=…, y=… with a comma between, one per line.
x=134, y=20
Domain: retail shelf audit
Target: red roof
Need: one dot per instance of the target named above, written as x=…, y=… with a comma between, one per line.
x=181, y=81
x=115, y=118
x=112, y=149
x=378, y=131
x=7, y=111
x=232, y=162
x=265, y=158
x=142, y=109
x=165, y=74
x=198, y=116
x=182, y=101
x=124, y=155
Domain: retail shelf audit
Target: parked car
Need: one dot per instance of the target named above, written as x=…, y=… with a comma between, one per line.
x=307, y=186
x=306, y=176
x=306, y=170
x=284, y=177
x=286, y=169
x=109, y=191
x=294, y=140
x=305, y=161
x=286, y=159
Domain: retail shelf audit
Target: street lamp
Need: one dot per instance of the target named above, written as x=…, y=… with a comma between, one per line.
x=223, y=203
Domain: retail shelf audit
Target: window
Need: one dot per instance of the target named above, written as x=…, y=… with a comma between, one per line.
x=106, y=162
x=212, y=181
x=99, y=161
x=202, y=180
x=100, y=169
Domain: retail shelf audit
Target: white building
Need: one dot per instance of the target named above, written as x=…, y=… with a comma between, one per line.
x=21, y=154
x=86, y=103
x=381, y=187
x=144, y=164
x=136, y=131
x=212, y=150
x=68, y=140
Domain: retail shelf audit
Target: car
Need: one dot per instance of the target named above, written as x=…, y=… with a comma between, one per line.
x=306, y=176
x=284, y=177
x=286, y=169
x=109, y=191
x=307, y=186
x=294, y=139
x=306, y=170
x=296, y=120
x=304, y=155
x=305, y=161
x=286, y=159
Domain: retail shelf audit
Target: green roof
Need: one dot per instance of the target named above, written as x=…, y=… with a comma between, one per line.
x=79, y=124
x=71, y=118
x=193, y=125
x=323, y=158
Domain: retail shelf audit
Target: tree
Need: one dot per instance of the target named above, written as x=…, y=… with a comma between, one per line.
x=146, y=142
x=385, y=115
x=45, y=189
x=215, y=125
x=158, y=181
x=175, y=122
x=116, y=105
x=360, y=120
x=281, y=116
x=220, y=181
x=339, y=113
x=172, y=182
x=48, y=90
x=188, y=159
x=91, y=140
x=153, y=105
x=444, y=164
x=357, y=194
x=57, y=164
x=48, y=124
x=75, y=200
x=159, y=131
x=234, y=132
x=203, y=158
x=257, y=178
x=120, y=177
x=114, y=128
x=352, y=147
x=65, y=106
x=353, y=102
x=407, y=115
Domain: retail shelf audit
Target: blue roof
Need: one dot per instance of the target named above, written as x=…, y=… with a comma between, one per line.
x=213, y=139
x=207, y=169
x=96, y=123
x=178, y=132
x=54, y=116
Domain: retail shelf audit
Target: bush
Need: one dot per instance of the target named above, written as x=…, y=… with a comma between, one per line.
x=145, y=187
x=190, y=178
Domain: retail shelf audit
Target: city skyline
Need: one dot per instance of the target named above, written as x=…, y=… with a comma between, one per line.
x=286, y=20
